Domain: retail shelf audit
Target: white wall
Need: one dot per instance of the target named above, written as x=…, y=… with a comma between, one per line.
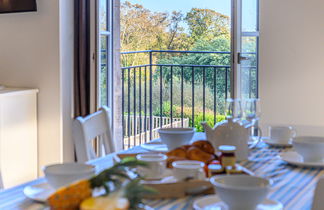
x=292, y=64
x=37, y=51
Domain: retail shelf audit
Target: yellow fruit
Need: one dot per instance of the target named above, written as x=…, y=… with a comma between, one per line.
x=70, y=197
x=111, y=202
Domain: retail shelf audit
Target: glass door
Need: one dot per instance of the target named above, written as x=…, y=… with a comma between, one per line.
x=245, y=41
x=105, y=51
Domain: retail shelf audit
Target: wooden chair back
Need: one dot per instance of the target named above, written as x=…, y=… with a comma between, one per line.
x=86, y=129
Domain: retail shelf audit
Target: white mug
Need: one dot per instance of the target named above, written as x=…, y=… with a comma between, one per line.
x=184, y=169
x=282, y=134
x=156, y=165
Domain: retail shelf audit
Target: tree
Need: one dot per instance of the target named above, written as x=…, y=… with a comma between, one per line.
x=177, y=38
x=207, y=24
x=141, y=29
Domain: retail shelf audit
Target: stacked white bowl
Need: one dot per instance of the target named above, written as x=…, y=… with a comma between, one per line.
x=176, y=137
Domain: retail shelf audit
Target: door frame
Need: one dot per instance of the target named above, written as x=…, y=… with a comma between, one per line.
x=236, y=28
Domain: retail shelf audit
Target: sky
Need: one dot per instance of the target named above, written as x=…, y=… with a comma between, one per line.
x=221, y=6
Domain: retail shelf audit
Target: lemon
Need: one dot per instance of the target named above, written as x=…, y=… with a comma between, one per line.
x=111, y=202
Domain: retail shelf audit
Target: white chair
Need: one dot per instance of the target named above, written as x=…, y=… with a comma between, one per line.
x=319, y=195
x=86, y=129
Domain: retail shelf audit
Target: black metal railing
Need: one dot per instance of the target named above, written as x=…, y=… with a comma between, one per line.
x=157, y=94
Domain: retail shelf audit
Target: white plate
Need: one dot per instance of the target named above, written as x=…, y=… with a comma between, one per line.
x=213, y=202
x=39, y=192
x=156, y=146
x=272, y=142
x=296, y=159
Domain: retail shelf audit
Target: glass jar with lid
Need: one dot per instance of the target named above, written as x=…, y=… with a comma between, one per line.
x=215, y=169
x=227, y=157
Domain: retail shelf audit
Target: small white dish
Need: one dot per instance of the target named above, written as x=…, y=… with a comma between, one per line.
x=155, y=146
x=39, y=192
x=213, y=202
x=276, y=143
x=296, y=159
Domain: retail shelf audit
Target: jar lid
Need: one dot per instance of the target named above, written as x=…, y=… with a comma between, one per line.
x=215, y=168
x=227, y=148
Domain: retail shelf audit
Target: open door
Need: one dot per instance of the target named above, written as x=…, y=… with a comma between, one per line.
x=245, y=41
x=108, y=75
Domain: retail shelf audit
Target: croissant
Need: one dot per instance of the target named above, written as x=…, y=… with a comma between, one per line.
x=186, y=147
x=177, y=152
x=195, y=153
x=204, y=145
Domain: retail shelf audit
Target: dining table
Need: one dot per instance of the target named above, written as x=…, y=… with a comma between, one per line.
x=292, y=186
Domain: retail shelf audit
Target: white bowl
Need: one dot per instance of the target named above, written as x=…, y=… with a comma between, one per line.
x=59, y=175
x=176, y=137
x=156, y=165
x=241, y=191
x=311, y=148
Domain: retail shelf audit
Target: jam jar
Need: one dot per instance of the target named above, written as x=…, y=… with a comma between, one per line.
x=215, y=169
x=227, y=157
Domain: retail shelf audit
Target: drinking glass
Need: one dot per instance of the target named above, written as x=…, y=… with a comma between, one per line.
x=252, y=110
x=233, y=109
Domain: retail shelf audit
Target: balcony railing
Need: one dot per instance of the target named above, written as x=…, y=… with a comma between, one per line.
x=138, y=131
x=174, y=94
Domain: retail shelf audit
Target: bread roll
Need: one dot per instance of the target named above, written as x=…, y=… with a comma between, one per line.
x=195, y=153
x=177, y=152
x=204, y=145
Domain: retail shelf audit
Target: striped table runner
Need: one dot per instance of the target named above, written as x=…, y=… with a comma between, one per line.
x=293, y=186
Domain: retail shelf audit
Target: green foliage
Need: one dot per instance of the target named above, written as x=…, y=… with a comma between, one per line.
x=219, y=44
x=199, y=117
x=117, y=178
x=209, y=118
x=187, y=113
x=207, y=24
x=134, y=192
x=112, y=178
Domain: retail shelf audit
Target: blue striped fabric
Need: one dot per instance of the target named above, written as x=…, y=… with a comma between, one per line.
x=293, y=186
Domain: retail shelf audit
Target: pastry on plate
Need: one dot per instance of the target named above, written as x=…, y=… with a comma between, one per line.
x=205, y=146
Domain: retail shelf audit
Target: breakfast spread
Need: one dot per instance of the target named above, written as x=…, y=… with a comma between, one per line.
x=189, y=164
x=202, y=150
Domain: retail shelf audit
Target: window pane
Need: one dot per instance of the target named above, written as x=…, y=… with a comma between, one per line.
x=249, y=67
x=103, y=15
x=249, y=15
x=103, y=71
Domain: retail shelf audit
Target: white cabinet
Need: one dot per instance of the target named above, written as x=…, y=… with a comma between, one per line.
x=18, y=135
